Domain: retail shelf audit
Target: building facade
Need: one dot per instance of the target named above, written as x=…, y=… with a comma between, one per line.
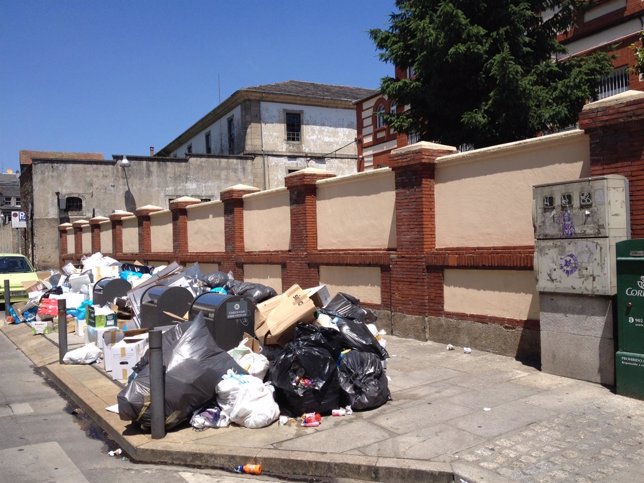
x=285, y=127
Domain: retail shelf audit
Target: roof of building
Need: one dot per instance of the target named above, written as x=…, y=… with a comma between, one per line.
x=27, y=156
x=293, y=92
x=315, y=90
x=9, y=184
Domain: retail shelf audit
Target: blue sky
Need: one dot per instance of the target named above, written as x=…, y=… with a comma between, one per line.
x=120, y=76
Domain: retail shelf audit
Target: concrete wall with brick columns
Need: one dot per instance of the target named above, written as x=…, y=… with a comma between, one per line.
x=439, y=280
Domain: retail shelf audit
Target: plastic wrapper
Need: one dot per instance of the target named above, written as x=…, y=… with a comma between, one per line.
x=253, y=291
x=348, y=307
x=194, y=367
x=304, y=373
x=363, y=381
x=135, y=267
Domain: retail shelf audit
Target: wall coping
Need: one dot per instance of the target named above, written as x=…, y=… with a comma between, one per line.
x=160, y=212
x=64, y=226
x=351, y=177
x=422, y=146
x=304, y=171
x=80, y=223
x=524, y=145
x=204, y=203
x=269, y=192
x=120, y=214
x=617, y=99
x=147, y=210
x=240, y=187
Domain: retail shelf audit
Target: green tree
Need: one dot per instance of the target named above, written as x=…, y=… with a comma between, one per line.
x=485, y=72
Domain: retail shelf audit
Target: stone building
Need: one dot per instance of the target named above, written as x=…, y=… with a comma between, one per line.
x=285, y=127
x=255, y=137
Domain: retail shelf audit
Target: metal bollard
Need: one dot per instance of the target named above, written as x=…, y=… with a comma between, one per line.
x=157, y=385
x=7, y=296
x=62, y=329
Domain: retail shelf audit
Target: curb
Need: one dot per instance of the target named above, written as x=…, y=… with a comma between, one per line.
x=275, y=462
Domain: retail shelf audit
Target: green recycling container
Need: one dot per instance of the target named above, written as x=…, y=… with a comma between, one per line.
x=629, y=360
x=630, y=296
x=629, y=374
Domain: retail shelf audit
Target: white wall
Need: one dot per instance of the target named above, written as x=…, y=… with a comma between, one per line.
x=218, y=136
x=323, y=129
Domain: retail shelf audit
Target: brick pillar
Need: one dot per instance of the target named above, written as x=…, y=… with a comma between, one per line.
x=304, y=228
x=95, y=226
x=145, y=231
x=234, y=226
x=62, y=242
x=615, y=126
x=179, y=208
x=415, y=291
x=117, y=231
x=78, y=237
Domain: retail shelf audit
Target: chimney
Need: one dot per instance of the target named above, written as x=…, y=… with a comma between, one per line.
x=151, y=150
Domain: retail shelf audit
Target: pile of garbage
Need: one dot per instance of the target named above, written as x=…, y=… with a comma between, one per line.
x=299, y=354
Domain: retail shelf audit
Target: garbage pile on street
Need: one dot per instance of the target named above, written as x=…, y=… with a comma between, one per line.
x=234, y=352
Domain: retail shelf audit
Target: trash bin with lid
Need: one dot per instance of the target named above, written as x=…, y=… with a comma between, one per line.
x=109, y=288
x=159, y=300
x=629, y=359
x=227, y=317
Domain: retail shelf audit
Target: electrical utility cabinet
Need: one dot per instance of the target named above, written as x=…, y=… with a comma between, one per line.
x=577, y=224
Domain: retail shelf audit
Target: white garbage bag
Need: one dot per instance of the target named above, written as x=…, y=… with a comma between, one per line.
x=247, y=401
x=83, y=355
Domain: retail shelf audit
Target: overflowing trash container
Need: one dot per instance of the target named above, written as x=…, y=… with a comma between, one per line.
x=234, y=352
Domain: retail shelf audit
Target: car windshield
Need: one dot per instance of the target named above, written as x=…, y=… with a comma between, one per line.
x=14, y=265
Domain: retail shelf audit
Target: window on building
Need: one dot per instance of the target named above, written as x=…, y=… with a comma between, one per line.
x=189, y=149
x=231, y=135
x=613, y=83
x=6, y=200
x=208, y=143
x=410, y=72
x=294, y=127
x=73, y=203
x=380, y=117
x=17, y=201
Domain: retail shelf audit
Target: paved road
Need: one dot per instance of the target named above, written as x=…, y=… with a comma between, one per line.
x=45, y=438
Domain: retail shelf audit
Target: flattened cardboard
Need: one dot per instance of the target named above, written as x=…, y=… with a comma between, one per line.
x=279, y=315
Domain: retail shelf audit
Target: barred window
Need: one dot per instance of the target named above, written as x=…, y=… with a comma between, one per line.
x=613, y=83
x=294, y=126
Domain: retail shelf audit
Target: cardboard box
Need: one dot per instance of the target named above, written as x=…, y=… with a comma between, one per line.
x=41, y=326
x=97, y=335
x=276, y=318
x=39, y=285
x=98, y=321
x=123, y=357
x=320, y=295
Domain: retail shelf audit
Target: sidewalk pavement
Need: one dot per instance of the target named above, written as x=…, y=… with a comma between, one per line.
x=476, y=417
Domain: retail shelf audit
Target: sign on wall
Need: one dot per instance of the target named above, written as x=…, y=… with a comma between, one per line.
x=18, y=219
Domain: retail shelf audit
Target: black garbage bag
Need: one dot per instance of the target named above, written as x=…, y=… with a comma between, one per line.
x=305, y=374
x=253, y=291
x=193, y=369
x=348, y=307
x=363, y=381
x=356, y=335
x=135, y=267
x=216, y=279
